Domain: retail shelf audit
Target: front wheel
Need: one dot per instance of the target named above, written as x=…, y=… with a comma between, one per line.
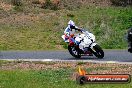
x=130, y=50
x=97, y=51
x=74, y=51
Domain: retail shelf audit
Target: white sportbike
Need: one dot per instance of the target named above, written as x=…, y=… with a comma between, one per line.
x=87, y=46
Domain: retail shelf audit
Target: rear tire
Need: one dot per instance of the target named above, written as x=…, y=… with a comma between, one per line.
x=74, y=51
x=98, y=51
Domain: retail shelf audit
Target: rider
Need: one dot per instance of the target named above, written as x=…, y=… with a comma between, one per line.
x=70, y=31
x=69, y=34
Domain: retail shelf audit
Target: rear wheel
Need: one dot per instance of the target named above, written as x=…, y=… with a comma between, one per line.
x=98, y=52
x=74, y=51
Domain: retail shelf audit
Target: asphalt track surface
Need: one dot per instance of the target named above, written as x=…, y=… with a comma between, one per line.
x=110, y=56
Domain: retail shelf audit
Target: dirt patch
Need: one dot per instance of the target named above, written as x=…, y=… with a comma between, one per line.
x=5, y=6
x=20, y=19
x=35, y=65
x=92, y=68
x=60, y=47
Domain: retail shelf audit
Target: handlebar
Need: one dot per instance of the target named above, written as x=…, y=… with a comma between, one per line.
x=84, y=31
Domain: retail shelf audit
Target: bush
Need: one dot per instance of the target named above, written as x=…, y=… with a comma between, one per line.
x=121, y=2
x=70, y=4
x=50, y=5
x=59, y=4
x=36, y=2
x=18, y=8
x=70, y=15
x=16, y=2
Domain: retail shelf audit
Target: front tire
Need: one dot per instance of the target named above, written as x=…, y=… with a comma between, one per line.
x=130, y=50
x=74, y=51
x=98, y=52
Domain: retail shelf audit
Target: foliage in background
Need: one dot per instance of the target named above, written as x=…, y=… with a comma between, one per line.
x=49, y=5
x=16, y=2
x=121, y=2
x=70, y=4
x=30, y=27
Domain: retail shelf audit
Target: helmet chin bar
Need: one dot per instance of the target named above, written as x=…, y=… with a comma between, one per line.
x=72, y=27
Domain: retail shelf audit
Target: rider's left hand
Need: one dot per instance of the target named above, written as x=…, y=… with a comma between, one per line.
x=72, y=35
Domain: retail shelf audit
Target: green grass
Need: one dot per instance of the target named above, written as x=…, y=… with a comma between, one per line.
x=46, y=79
x=108, y=24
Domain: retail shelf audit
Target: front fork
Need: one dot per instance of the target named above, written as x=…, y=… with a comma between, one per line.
x=92, y=46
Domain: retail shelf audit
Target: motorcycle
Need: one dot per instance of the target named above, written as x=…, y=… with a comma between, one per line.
x=129, y=40
x=87, y=46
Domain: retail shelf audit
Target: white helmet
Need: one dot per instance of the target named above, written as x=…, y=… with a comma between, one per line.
x=71, y=23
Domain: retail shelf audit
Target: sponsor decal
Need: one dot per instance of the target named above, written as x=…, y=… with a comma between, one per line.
x=84, y=77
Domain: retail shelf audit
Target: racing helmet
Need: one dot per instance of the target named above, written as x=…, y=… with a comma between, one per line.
x=71, y=24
